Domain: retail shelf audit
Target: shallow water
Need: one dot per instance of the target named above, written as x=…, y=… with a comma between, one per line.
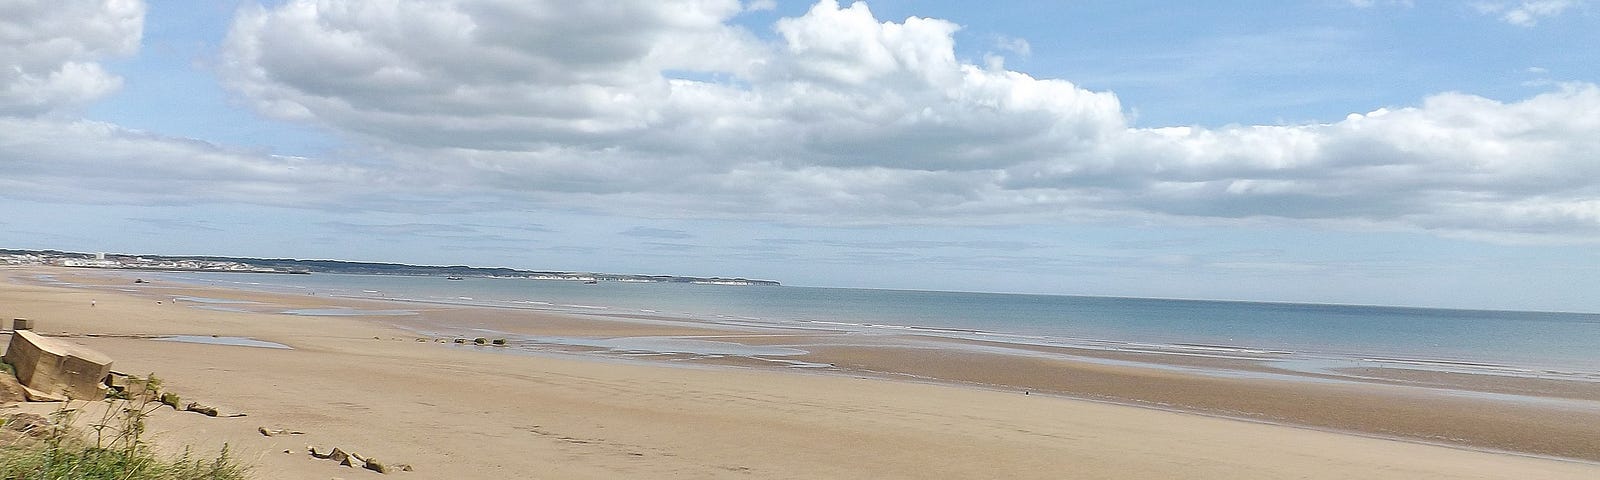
x=1457, y=340
x=233, y=341
x=345, y=312
x=209, y=300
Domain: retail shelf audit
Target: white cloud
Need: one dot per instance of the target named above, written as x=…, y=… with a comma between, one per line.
x=1526, y=13
x=48, y=54
x=668, y=109
x=95, y=162
x=840, y=88
x=49, y=49
x=849, y=118
x=1015, y=45
x=1457, y=163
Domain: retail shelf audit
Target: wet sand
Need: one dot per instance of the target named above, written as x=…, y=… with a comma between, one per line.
x=888, y=407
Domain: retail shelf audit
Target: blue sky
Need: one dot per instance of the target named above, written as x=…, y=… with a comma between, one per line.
x=1377, y=152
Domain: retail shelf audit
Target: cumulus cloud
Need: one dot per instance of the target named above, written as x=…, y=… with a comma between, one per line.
x=671, y=109
x=1457, y=163
x=49, y=51
x=848, y=118
x=840, y=88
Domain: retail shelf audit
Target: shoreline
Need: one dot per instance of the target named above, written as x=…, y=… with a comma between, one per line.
x=1402, y=406
x=1307, y=362
x=1205, y=359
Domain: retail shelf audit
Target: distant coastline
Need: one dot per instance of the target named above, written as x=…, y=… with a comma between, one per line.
x=121, y=261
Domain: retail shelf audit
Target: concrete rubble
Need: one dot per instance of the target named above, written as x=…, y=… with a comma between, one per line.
x=356, y=460
x=54, y=370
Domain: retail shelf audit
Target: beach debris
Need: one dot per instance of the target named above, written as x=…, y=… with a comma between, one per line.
x=267, y=432
x=340, y=456
x=480, y=340
x=129, y=387
x=374, y=465
x=55, y=368
x=356, y=460
x=209, y=411
x=461, y=340
x=117, y=381
x=38, y=396
x=170, y=399
x=200, y=409
x=499, y=342
x=344, y=458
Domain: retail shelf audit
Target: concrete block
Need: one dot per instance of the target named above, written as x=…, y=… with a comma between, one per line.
x=57, y=368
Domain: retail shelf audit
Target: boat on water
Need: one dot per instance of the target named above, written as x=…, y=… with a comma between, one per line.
x=452, y=277
x=591, y=282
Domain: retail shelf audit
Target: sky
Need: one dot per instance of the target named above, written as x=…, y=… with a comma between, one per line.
x=1392, y=152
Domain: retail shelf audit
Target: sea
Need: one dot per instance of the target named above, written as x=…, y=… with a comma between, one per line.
x=1542, y=344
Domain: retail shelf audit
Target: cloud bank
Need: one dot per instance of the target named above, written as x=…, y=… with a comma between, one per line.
x=833, y=116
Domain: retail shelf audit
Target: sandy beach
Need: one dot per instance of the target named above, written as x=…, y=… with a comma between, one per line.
x=892, y=407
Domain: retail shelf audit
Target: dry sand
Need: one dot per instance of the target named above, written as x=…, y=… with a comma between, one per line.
x=479, y=412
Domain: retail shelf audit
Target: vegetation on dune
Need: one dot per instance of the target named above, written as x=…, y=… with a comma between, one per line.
x=112, y=448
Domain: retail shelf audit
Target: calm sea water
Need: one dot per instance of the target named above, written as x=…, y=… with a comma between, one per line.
x=1534, y=341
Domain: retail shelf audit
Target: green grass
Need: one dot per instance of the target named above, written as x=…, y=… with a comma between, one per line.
x=113, y=449
x=76, y=461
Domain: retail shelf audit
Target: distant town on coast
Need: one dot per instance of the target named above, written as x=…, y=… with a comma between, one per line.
x=296, y=266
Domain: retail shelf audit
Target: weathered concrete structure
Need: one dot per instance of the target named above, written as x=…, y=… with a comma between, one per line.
x=57, y=368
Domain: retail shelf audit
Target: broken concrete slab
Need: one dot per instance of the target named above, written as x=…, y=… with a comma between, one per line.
x=56, y=368
x=42, y=396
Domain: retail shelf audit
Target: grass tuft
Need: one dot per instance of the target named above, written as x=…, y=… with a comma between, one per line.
x=114, y=449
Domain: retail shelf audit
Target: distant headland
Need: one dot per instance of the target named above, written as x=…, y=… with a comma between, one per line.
x=297, y=266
